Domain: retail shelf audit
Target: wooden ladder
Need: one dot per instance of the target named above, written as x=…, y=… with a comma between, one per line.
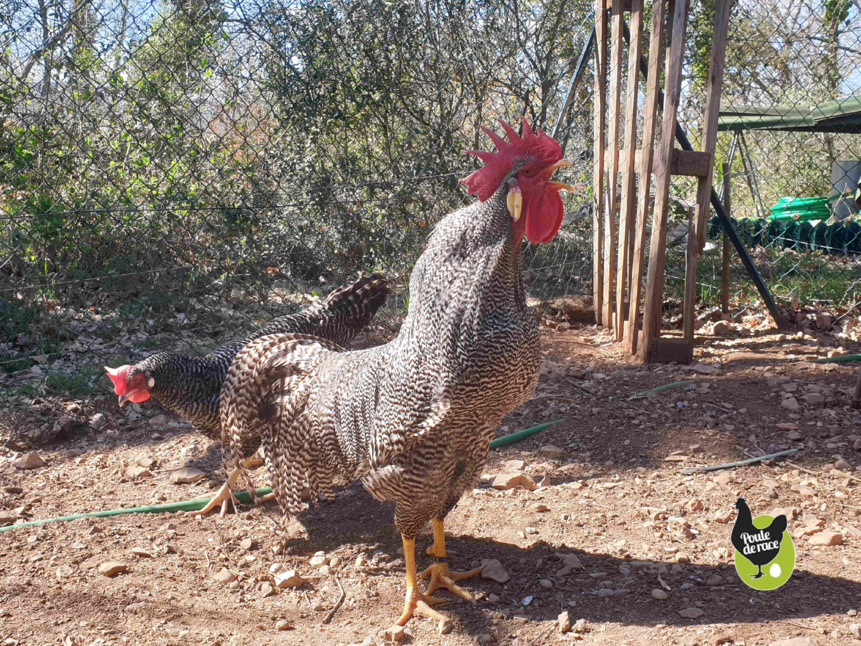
x=622, y=208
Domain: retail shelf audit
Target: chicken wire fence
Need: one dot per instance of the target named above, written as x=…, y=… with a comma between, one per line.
x=175, y=172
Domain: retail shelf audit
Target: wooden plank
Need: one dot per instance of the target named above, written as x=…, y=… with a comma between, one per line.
x=697, y=235
x=727, y=249
x=629, y=177
x=612, y=163
x=654, y=298
x=690, y=163
x=599, y=104
x=656, y=48
x=710, y=120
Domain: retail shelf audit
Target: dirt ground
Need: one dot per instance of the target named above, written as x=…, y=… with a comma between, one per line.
x=614, y=498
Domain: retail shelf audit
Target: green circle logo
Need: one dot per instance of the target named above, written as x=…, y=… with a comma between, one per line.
x=764, y=552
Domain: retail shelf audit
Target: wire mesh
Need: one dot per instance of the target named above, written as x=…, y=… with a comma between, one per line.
x=175, y=172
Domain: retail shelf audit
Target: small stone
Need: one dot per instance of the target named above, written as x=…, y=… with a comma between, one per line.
x=31, y=460
x=723, y=479
x=136, y=472
x=827, y=538
x=247, y=544
x=505, y=481
x=318, y=560
x=492, y=598
x=531, y=531
x=842, y=465
x=484, y=638
x=112, y=568
x=814, y=399
x=545, y=583
x=722, y=328
x=855, y=630
x=266, y=590
x=659, y=594
x=691, y=613
x=787, y=426
x=394, y=633
x=714, y=579
x=563, y=622
x=723, y=515
x=796, y=641
x=580, y=626
x=186, y=475
x=142, y=552
x=64, y=572
x=444, y=627
x=790, y=404
x=288, y=579
x=283, y=624
x=492, y=569
x=225, y=576
x=695, y=505
x=794, y=436
x=551, y=452
x=540, y=508
x=6, y=518
x=335, y=561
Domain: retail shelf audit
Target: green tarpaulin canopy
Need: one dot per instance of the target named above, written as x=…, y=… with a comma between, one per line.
x=840, y=115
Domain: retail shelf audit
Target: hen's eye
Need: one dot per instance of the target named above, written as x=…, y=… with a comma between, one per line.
x=528, y=172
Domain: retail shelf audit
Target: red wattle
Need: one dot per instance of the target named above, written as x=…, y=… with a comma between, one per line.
x=544, y=215
x=139, y=396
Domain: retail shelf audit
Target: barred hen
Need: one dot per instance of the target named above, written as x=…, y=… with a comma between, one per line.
x=414, y=418
x=191, y=386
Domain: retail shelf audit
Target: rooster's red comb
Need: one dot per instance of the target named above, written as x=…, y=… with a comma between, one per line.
x=541, y=147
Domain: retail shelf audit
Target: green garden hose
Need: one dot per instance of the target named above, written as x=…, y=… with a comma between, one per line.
x=242, y=496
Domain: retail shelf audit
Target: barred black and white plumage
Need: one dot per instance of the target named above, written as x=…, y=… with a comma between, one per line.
x=414, y=417
x=191, y=386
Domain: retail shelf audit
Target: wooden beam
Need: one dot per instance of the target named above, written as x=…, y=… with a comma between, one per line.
x=656, y=48
x=629, y=177
x=698, y=225
x=612, y=210
x=599, y=104
x=690, y=163
x=672, y=95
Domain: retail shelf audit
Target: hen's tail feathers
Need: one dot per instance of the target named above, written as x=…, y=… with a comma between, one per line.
x=357, y=303
x=265, y=395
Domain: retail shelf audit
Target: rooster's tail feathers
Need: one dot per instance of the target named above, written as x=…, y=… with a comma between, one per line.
x=267, y=383
x=358, y=302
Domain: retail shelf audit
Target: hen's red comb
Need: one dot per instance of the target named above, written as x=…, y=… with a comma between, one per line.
x=118, y=376
x=541, y=147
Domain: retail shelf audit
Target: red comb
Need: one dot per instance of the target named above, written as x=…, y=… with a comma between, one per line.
x=542, y=148
x=119, y=377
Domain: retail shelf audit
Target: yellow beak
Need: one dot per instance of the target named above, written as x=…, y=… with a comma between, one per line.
x=559, y=186
x=515, y=202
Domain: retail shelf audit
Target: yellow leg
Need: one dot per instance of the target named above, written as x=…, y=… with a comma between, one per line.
x=416, y=602
x=225, y=496
x=441, y=576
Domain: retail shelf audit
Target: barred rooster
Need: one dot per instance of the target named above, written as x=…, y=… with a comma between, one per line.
x=414, y=418
x=191, y=386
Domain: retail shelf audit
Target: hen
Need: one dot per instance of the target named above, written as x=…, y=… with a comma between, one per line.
x=759, y=546
x=414, y=418
x=191, y=386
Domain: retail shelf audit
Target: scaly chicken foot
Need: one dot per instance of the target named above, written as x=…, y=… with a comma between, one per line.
x=416, y=602
x=441, y=576
x=225, y=496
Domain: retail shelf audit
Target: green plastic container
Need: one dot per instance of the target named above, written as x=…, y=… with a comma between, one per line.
x=802, y=209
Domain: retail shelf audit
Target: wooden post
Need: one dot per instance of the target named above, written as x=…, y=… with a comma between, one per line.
x=656, y=56
x=699, y=222
x=629, y=178
x=612, y=209
x=726, y=249
x=599, y=103
x=672, y=95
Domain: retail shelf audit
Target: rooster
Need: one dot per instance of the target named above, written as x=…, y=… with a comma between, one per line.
x=191, y=386
x=414, y=417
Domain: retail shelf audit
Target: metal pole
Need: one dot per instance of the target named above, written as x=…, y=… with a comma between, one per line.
x=575, y=81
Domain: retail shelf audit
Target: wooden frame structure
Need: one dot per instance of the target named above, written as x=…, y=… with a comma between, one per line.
x=621, y=221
